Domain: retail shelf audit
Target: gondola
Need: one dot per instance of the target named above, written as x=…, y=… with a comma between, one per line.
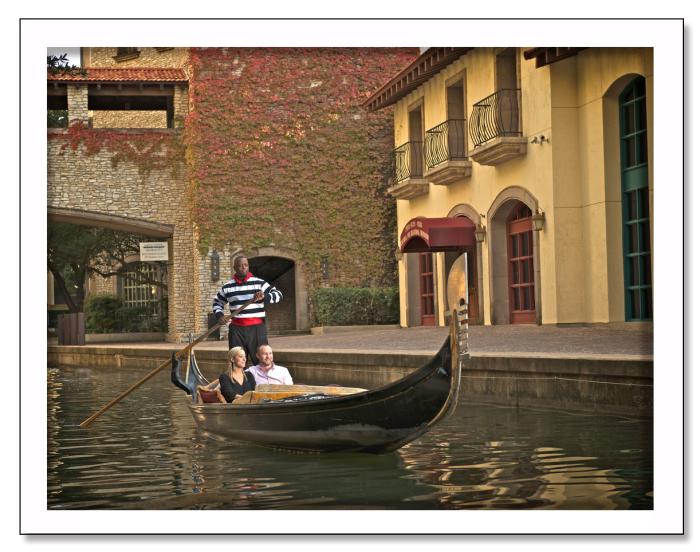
x=331, y=419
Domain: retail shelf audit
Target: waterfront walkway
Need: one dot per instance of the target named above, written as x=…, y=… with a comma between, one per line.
x=631, y=340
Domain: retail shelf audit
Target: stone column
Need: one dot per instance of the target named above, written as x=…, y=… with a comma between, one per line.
x=181, y=105
x=77, y=103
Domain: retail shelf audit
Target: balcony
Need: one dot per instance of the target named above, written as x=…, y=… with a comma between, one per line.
x=494, y=127
x=408, y=181
x=446, y=152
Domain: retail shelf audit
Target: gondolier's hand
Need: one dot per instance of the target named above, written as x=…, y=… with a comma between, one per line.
x=259, y=296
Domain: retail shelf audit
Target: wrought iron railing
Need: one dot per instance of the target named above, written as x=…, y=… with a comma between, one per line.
x=446, y=142
x=496, y=115
x=408, y=161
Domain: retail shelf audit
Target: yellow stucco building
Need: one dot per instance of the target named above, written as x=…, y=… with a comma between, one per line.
x=535, y=162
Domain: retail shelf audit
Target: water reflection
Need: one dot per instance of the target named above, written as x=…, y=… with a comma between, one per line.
x=147, y=453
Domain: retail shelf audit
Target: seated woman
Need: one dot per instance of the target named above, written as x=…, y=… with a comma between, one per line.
x=235, y=381
x=231, y=384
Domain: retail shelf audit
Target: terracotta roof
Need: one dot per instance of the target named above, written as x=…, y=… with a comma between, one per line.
x=431, y=62
x=130, y=74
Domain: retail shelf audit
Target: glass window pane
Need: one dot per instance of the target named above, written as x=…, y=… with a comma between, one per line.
x=526, y=298
x=514, y=246
x=525, y=241
x=648, y=307
x=644, y=236
x=516, y=298
x=630, y=158
x=633, y=237
x=646, y=277
x=635, y=304
x=644, y=203
x=642, y=145
x=515, y=275
x=631, y=205
x=639, y=87
x=634, y=270
x=642, y=111
x=524, y=271
x=628, y=119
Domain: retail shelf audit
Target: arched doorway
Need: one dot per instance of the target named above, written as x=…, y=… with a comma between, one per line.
x=278, y=272
x=514, y=273
x=425, y=241
x=473, y=265
x=521, y=266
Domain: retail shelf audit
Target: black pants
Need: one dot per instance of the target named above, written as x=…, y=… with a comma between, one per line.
x=248, y=337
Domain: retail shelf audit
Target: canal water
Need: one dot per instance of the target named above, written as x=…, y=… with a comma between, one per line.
x=146, y=453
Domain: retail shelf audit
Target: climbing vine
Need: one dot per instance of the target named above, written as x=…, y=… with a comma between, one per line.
x=280, y=151
x=147, y=150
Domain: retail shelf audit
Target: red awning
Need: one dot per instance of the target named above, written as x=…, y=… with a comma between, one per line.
x=423, y=234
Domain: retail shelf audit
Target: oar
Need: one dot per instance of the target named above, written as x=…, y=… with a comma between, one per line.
x=179, y=354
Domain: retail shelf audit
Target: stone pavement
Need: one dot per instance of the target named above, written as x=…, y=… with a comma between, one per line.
x=617, y=339
x=598, y=339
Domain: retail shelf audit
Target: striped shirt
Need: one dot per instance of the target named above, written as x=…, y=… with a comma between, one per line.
x=235, y=292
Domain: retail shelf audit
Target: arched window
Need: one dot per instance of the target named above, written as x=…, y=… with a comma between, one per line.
x=635, y=201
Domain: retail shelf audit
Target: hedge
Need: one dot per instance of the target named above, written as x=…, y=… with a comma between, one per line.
x=106, y=313
x=346, y=306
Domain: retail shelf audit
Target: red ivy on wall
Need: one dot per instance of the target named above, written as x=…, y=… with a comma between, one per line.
x=281, y=151
x=147, y=150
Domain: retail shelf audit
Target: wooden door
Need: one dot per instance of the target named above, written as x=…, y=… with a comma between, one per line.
x=427, y=289
x=521, y=269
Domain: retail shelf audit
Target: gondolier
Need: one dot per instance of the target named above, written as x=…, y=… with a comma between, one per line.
x=247, y=328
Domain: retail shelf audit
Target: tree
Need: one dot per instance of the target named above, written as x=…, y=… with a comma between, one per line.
x=59, y=64
x=58, y=118
x=77, y=252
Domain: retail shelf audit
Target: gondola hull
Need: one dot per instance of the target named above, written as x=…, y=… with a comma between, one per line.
x=378, y=420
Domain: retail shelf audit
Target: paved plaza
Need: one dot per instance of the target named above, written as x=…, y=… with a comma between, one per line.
x=614, y=340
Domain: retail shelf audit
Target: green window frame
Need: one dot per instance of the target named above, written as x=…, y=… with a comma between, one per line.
x=635, y=202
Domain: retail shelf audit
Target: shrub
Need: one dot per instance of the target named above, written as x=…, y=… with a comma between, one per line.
x=102, y=313
x=355, y=306
x=107, y=314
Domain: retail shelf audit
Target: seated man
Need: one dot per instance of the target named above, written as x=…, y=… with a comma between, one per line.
x=266, y=371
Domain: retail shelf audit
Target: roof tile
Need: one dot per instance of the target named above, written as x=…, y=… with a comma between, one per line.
x=126, y=74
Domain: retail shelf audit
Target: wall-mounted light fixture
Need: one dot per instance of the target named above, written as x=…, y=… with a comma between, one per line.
x=215, y=262
x=480, y=230
x=480, y=233
x=538, y=220
x=541, y=139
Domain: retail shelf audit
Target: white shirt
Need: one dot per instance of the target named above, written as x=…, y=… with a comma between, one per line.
x=277, y=375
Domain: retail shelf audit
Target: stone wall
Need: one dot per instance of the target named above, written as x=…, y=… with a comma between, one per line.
x=77, y=98
x=140, y=189
x=128, y=119
x=148, y=57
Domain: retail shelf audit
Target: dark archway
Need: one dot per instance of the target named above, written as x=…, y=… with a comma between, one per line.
x=279, y=272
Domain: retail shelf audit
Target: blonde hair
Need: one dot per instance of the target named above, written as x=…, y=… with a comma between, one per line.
x=234, y=352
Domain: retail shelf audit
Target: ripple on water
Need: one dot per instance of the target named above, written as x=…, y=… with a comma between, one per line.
x=146, y=453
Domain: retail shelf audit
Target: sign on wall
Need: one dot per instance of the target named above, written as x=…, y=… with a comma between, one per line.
x=154, y=251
